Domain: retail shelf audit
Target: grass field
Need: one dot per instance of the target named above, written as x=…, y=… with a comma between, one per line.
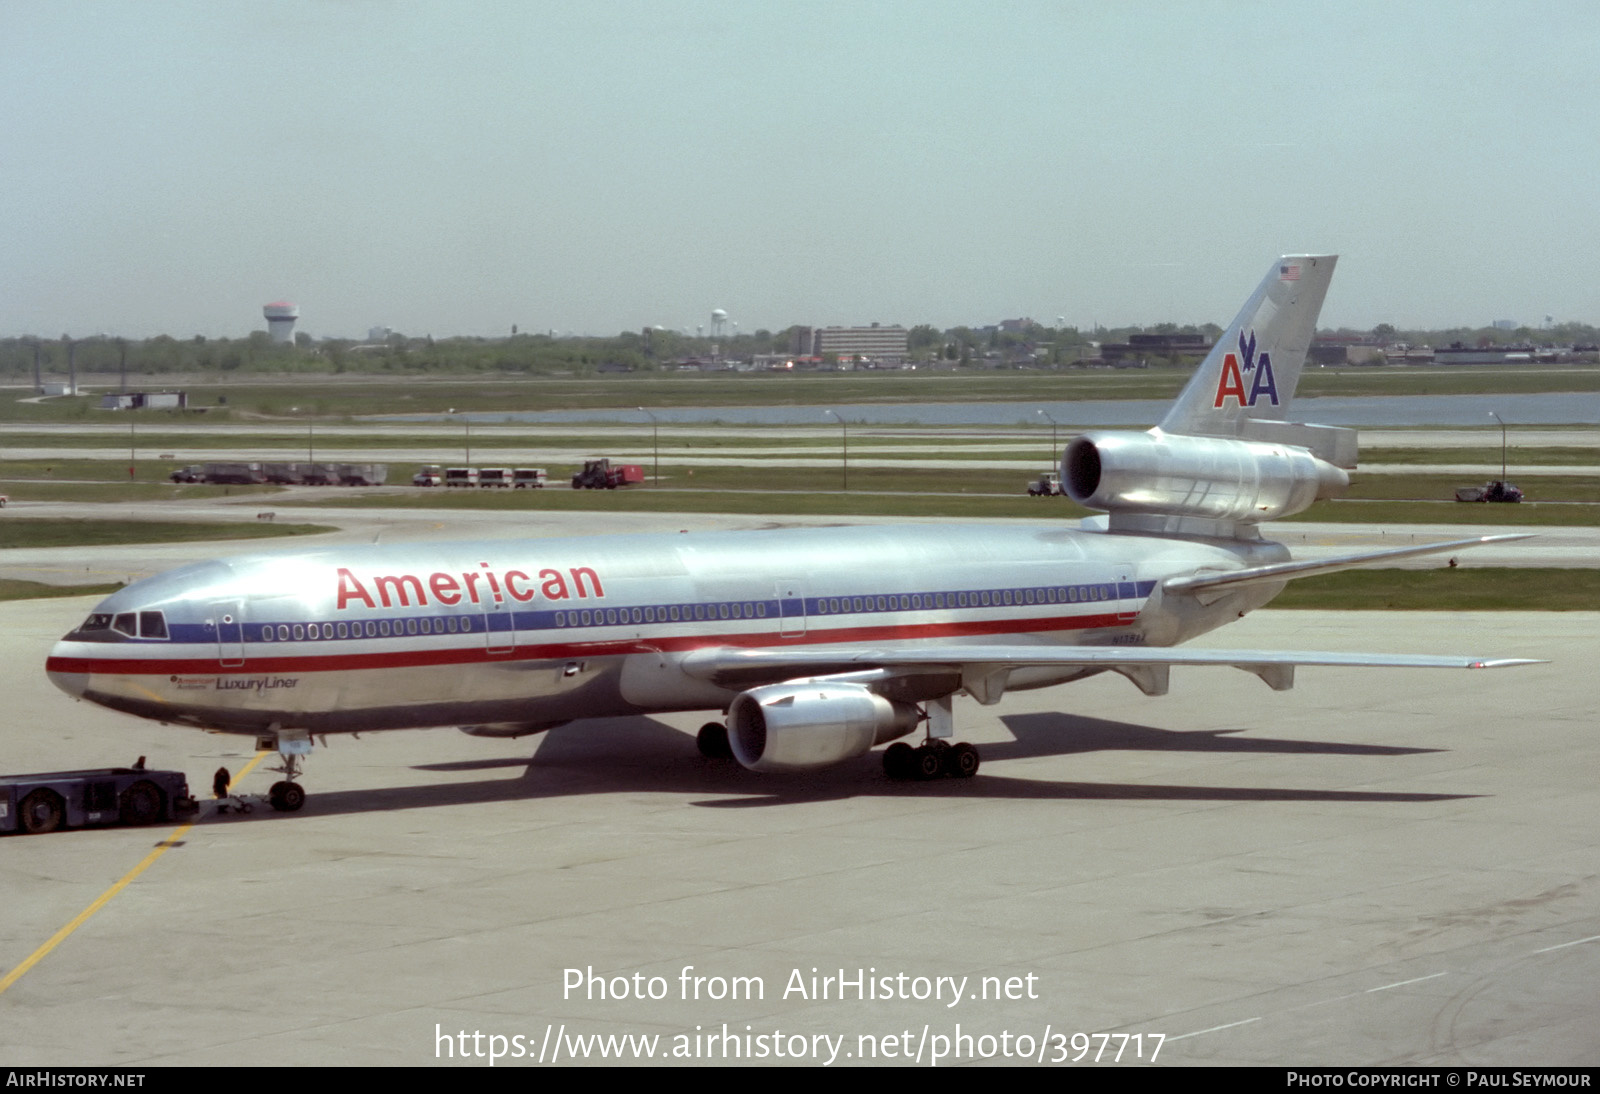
x=1479, y=589
x=333, y=397
x=1518, y=457
x=11, y=589
x=44, y=532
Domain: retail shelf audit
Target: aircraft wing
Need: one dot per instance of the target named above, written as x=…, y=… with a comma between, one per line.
x=983, y=669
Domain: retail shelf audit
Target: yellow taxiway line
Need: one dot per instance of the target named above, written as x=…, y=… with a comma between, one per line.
x=104, y=898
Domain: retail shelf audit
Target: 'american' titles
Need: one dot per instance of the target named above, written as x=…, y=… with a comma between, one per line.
x=468, y=586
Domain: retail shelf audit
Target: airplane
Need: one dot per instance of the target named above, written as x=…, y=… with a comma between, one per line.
x=818, y=644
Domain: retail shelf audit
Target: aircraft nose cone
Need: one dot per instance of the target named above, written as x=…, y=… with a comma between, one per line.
x=65, y=671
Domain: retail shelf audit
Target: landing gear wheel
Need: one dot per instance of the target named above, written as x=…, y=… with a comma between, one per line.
x=141, y=804
x=713, y=741
x=927, y=761
x=286, y=797
x=962, y=761
x=41, y=812
x=897, y=760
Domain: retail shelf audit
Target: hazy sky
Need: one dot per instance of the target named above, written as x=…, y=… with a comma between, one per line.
x=454, y=168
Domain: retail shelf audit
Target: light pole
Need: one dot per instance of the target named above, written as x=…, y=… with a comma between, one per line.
x=846, y=458
x=1054, y=451
x=1497, y=418
x=655, y=442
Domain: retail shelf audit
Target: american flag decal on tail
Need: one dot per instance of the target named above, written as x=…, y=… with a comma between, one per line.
x=1288, y=272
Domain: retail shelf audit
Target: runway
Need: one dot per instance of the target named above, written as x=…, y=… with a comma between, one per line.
x=1378, y=867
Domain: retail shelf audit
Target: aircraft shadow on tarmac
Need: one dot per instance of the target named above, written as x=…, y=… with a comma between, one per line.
x=643, y=755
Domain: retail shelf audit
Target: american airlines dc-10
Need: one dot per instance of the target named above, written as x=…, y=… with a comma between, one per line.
x=819, y=644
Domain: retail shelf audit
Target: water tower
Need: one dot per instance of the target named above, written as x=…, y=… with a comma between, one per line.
x=719, y=323
x=280, y=321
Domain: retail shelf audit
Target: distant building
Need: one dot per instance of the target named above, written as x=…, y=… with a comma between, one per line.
x=1345, y=348
x=1145, y=346
x=886, y=345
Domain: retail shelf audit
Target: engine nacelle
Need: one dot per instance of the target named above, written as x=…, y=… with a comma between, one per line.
x=1217, y=478
x=811, y=724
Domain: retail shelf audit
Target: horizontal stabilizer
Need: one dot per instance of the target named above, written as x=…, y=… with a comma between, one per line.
x=1285, y=571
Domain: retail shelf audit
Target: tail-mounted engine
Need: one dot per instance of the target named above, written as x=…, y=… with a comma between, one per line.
x=810, y=724
x=1212, y=478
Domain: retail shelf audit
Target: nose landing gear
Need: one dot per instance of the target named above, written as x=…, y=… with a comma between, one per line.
x=286, y=795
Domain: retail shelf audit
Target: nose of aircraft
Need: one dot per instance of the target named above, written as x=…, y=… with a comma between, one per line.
x=64, y=671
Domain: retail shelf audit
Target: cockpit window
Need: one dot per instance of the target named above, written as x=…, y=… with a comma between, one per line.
x=100, y=621
x=126, y=623
x=152, y=625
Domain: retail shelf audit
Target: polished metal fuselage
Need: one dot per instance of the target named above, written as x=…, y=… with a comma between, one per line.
x=538, y=632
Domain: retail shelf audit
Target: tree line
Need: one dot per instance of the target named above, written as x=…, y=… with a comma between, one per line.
x=630, y=351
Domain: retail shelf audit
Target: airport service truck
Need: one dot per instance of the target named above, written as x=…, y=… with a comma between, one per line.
x=601, y=475
x=78, y=799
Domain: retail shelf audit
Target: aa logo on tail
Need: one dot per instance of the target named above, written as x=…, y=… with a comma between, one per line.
x=1236, y=366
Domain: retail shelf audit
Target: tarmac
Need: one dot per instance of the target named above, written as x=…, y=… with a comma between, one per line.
x=1377, y=867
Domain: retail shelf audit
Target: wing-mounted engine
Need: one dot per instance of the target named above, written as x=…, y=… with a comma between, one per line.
x=1215, y=479
x=804, y=725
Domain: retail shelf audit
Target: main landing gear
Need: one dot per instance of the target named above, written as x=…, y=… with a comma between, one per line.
x=937, y=757
x=286, y=795
x=932, y=759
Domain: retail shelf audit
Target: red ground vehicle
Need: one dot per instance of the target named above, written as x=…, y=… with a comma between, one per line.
x=600, y=475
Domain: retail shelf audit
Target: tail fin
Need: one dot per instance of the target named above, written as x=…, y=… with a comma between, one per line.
x=1226, y=457
x=1251, y=373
